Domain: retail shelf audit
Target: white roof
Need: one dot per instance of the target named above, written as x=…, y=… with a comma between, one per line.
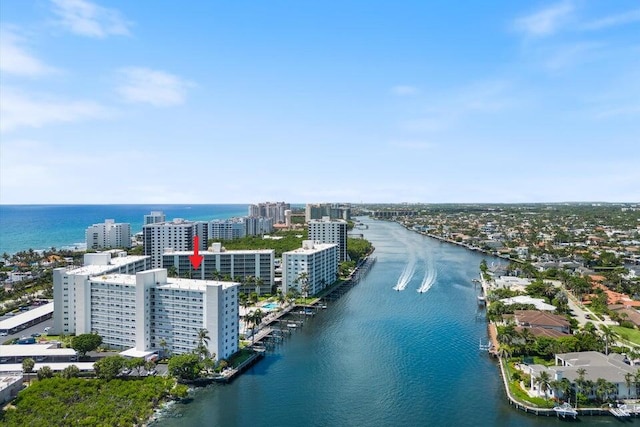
x=34, y=350
x=114, y=263
x=27, y=316
x=132, y=352
x=526, y=299
x=17, y=367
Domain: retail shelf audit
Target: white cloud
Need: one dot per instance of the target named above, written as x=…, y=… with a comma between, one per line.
x=15, y=59
x=158, y=88
x=545, y=22
x=404, y=90
x=614, y=20
x=21, y=110
x=88, y=19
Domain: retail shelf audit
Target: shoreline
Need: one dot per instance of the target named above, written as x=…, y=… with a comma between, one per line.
x=588, y=411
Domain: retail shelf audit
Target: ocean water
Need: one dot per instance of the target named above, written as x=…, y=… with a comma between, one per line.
x=378, y=356
x=37, y=227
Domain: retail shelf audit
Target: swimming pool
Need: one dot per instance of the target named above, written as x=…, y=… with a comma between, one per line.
x=270, y=306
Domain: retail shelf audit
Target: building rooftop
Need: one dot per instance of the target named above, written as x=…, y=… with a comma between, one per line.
x=34, y=350
x=27, y=316
x=115, y=262
x=17, y=367
x=525, y=299
x=309, y=247
x=224, y=251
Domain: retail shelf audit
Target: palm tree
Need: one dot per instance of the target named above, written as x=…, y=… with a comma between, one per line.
x=609, y=336
x=580, y=382
x=628, y=380
x=303, y=281
x=282, y=298
x=27, y=367
x=203, y=340
x=163, y=346
x=258, y=282
x=544, y=382
x=256, y=319
x=601, y=388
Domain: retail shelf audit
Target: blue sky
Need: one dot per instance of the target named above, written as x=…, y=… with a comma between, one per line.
x=353, y=101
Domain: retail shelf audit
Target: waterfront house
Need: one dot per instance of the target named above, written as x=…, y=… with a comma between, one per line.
x=541, y=319
x=612, y=368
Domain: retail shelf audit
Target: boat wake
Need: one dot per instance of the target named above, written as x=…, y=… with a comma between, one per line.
x=405, y=276
x=430, y=275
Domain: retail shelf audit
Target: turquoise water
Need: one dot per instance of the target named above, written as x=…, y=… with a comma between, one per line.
x=377, y=356
x=36, y=227
x=271, y=306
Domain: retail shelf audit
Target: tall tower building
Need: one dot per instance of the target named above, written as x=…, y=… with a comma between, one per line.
x=109, y=234
x=326, y=230
x=176, y=235
x=154, y=217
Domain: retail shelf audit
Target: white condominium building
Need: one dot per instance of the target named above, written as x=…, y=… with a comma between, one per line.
x=154, y=217
x=67, y=282
x=109, y=234
x=177, y=235
x=258, y=225
x=314, y=265
x=149, y=310
x=227, y=229
x=326, y=230
x=219, y=263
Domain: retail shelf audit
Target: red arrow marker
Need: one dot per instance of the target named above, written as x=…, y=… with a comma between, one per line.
x=196, y=259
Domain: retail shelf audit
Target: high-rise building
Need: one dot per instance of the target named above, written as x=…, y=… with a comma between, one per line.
x=257, y=226
x=332, y=210
x=271, y=210
x=253, y=268
x=310, y=268
x=326, y=230
x=154, y=217
x=147, y=311
x=66, y=283
x=227, y=229
x=109, y=234
x=176, y=235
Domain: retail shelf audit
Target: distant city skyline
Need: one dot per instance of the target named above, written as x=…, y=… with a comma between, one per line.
x=422, y=102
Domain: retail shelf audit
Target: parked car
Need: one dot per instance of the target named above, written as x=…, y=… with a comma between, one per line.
x=587, y=316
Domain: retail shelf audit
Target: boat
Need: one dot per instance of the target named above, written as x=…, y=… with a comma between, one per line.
x=565, y=410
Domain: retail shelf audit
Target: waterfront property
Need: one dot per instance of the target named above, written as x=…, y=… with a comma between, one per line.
x=588, y=366
x=217, y=262
x=326, y=230
x=70, y=301
x=310, y=268
x=147, y=311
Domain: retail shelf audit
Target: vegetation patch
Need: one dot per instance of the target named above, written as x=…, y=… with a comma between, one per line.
x=57, y=401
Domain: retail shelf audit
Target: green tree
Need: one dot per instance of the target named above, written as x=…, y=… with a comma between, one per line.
x=86, y=342
x=544, y=382
x=203, y=341
x=27, y=366
x=44, y=373
x=109, y=367
x=303, y=281
x=185, y=367
x=71, y=371
x=136, y=363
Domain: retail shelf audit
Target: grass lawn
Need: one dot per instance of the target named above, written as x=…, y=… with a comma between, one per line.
x=632, y=335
